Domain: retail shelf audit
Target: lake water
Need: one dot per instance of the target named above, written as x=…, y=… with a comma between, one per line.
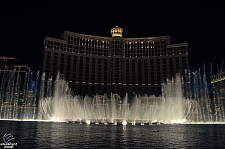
x=35, y=134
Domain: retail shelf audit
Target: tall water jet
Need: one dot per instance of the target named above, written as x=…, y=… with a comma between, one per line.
x=172, y=101
x=113, y=109
x=135, y=110
x=124, y=109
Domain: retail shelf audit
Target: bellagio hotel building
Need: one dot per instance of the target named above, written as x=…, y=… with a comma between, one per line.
x=98, y=65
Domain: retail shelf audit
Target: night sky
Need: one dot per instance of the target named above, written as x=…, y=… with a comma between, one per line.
x=24, y=24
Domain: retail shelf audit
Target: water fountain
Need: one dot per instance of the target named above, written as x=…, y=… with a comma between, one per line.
x=178, y=104
x=171, y=107
x=17, y=102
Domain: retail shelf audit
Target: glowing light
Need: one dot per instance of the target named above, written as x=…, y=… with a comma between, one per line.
x=88, y=122
x=124, y=123
x=154, y=121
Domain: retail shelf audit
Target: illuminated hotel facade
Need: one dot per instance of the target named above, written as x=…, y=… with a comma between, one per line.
x=94, y=64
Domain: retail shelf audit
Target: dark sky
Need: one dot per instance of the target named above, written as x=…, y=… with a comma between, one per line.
x=24, y=24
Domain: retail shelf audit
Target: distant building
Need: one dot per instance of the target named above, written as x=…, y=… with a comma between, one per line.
x=218, y=84
x=94, y=64
x=8, y=62
x=13, y=80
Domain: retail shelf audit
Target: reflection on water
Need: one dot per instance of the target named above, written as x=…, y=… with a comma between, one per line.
x=70, y=135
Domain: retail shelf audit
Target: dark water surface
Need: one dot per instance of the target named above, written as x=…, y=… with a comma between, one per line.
x=70, y=135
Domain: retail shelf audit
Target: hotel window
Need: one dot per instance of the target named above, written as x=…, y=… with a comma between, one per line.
x=64, y=48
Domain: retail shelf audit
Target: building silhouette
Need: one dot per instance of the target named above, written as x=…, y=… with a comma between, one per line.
x=13, y=80
x=94, y=64
x=218, y=85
